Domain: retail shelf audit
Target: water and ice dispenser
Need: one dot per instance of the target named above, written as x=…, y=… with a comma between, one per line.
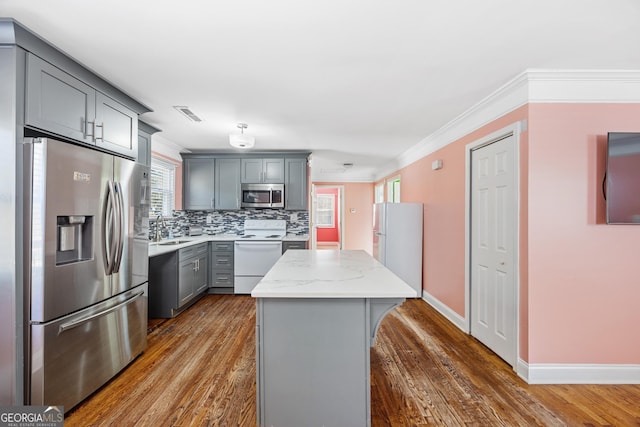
x=75, y=239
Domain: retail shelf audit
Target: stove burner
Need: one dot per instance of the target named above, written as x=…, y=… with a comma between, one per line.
x=248, y=236
x=272, y=236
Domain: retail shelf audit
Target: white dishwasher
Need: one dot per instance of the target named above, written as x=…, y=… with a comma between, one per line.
x=256, y=252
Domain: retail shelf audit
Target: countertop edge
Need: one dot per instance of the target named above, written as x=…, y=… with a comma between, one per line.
x=157, y=248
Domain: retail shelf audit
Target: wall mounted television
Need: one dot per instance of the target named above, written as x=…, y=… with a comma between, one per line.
x=623, y=178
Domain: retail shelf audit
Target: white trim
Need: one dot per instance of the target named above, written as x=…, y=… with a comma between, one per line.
x=341, y=212
x=530, y=86
x=551, y=373
x=514, y=129
x=443, y=309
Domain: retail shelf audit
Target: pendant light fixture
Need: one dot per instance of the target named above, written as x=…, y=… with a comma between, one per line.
x=241, y=140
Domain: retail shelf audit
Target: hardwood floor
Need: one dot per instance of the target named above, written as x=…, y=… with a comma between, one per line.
x=199, y=370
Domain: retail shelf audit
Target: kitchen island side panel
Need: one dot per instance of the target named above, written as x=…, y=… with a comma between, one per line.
x=313, y=362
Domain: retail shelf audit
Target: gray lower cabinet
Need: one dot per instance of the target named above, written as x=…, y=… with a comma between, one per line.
x=60, y=103
x=295, y=244
x=177, y=279
x=221, y=267
x=295, y=184
x=227, y=185
x=198, y=183
x=313, y=359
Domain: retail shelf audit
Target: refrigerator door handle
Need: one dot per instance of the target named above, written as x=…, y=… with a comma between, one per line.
x=110, y=209
x=120, y=228
x=83, y=320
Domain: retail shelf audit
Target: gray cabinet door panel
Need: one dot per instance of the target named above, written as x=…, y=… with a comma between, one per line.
x=296, y=184
x=198, y=184
x=116, y=127
x=227, y=194
x=251, y=171
x=58, y=102
x=273, y=171
x=185, y=281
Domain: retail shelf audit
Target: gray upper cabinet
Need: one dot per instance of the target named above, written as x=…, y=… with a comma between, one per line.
x=116, y=127
x=59, y=103
x=266, y=170
x=145, y=132
x=295, y=184
x=227, y=185
x=198, y=184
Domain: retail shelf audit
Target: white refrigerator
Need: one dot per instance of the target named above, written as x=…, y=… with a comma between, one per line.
x=397, y=240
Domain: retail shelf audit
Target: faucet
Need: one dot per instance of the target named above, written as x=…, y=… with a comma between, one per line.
x=159, y=223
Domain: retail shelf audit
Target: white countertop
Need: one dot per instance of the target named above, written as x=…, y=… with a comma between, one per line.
x=331, y=274
x=159, y=248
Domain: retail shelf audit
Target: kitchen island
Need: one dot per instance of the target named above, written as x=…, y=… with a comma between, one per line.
x=316, y=319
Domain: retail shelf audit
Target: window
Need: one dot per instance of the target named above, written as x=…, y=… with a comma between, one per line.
x=163, y=184
x=325, y=211
x=393, y=190
x=379, y=193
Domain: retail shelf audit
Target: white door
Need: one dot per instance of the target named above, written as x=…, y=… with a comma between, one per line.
x=493, y=247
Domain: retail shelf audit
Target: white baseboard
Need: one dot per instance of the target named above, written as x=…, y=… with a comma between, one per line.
x=551, y=373
x=451, y=315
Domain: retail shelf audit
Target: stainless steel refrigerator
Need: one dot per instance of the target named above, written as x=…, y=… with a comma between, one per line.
x=397, y=240
x=86, y=267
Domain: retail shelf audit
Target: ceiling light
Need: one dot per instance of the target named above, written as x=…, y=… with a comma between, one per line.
x=186, y=111
x=242, y=140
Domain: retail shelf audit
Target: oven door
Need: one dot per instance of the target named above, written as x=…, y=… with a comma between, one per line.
x=251, y=261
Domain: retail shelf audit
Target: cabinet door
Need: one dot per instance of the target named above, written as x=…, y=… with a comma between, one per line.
x=251, y=171
x=57, y=102
x=273, y=171
x=295, y=184
x=201, y=282
x=144, y=148
x=186, y=278
x=116, y=127
x=198, y=184
x=227, y=194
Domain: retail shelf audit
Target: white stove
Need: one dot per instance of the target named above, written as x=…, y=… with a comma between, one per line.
x=256, y=251
x=264, y=229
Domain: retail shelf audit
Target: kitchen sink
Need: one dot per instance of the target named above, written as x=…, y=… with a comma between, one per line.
x=174, y=242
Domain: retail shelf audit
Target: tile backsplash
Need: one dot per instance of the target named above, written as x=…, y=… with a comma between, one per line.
x=229, y=222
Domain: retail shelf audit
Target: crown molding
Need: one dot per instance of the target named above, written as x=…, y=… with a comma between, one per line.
x=530, y=86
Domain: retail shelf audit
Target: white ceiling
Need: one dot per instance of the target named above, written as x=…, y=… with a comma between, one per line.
x=357, y=81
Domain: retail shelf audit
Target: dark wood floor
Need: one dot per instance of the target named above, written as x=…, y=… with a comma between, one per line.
x=199, y=369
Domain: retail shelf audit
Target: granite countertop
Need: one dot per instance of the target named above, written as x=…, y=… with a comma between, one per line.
x=331, y=274
x=167, y=245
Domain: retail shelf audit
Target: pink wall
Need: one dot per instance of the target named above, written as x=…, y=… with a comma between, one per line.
x=357, y=224
x=579, y=278
x=443, y=195
x=584, y=286
x=327, y=234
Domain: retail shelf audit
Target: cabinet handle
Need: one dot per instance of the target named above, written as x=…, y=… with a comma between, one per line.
x=212, y=200
x=95, y=136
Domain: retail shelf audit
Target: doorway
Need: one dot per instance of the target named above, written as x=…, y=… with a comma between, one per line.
x=492, y=242
x=327, y=217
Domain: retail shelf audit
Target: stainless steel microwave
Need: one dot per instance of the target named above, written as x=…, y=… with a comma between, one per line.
x=262, y=196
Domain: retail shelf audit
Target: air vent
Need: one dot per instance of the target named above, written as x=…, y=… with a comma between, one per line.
x=185, y=111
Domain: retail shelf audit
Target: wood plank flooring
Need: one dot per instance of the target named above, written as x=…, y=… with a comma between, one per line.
x=199, y=370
